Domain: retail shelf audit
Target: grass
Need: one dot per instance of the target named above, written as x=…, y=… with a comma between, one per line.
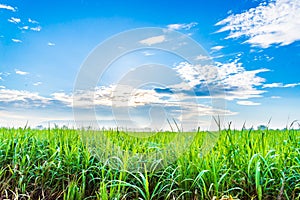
x=55, y=164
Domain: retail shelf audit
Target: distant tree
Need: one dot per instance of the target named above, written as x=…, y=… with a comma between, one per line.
x=39, y=127
x=262, y=127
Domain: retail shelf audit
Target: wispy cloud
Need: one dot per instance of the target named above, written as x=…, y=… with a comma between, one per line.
x=7, y=7
x=275, y=97
x=182, y=26
x=216, y=48
x=16, y=40
x=202, y=57
x=21, y=72
x=24, y=28
x=38, y=28
x=280, y=85
x=37, y=83
x=3, y=74
x=32, y=21
x=275, y=22
x=51, y=44
x=153, y=40
x=2, y=87
x=248, y=103
x=147, y=53
x=14, y=20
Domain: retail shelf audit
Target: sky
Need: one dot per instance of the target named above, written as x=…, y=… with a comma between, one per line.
x=245, y=68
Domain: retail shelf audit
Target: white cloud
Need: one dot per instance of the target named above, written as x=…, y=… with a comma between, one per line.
x=216, y=48
x=291, y=85
x=37, y=83
x=116, y=95
x=202, y=57
x=14, y=20
x=248, y=103
x=22, y=97
x=231, y=77
x=3, y=6
x=182, y=26
x=38, y=28
x=32, y=21
x=24, y=28
x=275, y=97
x=153, y=40
x=276, y=22
x=147, y=53
x=16, y=40
x=2, y=87
x=63, y=98
x=51, y=44
x=280, y=85
x=21, y=72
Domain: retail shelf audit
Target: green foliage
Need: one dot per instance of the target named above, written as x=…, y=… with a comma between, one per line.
x=55, y=164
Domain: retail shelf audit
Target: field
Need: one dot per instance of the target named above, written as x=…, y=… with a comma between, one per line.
x=55, y=164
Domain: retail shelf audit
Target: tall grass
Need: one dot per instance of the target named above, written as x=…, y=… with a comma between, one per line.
x=56, y=164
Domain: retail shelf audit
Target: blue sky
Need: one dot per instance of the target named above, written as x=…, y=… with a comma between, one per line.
x=253, y=45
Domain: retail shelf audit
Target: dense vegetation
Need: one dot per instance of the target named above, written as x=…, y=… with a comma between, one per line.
x=55, y=164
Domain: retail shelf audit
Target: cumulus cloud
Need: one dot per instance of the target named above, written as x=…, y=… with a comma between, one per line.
x=280, y=85
x=14, y=20
x=248, y=103
x=16, y=40
x=275, y=22
x=7, y=7
x=182, y=26
x=21, y=72
x=232, y=78
x=153, y=40
x=20, y=97
x=113, y=95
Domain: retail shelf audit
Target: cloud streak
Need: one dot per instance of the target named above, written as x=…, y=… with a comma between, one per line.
x=216, y=48
x=51, y=44
x=16, y=40
x=19, y=72
x=37, y=29
x=177, y=27
x=280, y=85
x=14, y=20
x=276, y=22
x=7, y=7
x=153, y=40
x=248, y=103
